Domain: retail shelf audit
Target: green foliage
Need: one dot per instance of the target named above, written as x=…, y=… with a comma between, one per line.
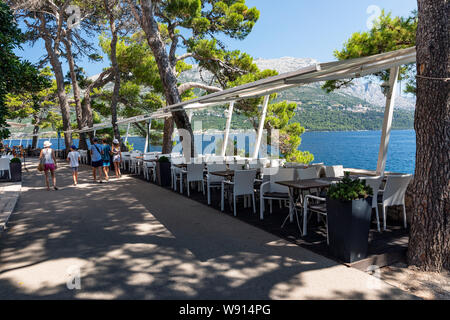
x=15, y=76
x=15, y=160
x=163, y=159
x=36, y=105
x=387, y=34
x=130, y=146
x=349, y=189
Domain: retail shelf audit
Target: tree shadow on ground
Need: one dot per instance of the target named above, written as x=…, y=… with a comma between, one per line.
x=134, y=240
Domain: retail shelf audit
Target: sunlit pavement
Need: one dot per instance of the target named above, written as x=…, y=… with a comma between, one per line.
x=128, y=239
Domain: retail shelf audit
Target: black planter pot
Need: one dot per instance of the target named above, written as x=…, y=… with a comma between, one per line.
x=163, y=173
x=348, y=228
x=16, y=171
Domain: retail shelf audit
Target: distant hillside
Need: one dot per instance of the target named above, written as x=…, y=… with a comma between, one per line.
x=358, y=107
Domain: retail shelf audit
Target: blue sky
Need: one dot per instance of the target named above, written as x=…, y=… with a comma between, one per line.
x=294, y=28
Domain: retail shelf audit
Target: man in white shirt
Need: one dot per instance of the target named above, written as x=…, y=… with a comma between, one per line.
x=74, y=160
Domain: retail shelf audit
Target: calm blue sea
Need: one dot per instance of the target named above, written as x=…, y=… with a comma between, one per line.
x=351, y=149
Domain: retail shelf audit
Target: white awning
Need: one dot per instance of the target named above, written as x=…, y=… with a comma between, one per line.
x=346, y=69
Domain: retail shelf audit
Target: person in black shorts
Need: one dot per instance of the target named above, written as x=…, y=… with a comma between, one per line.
x=96, y=159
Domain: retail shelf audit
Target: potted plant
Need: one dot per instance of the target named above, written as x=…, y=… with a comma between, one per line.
x=163, y=171
x=349, y=210
x=15, y=166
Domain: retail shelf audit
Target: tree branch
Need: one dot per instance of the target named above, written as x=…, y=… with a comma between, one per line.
x=190, y=85
x=185, y=56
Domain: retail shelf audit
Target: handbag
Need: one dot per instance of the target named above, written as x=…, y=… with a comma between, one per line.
x=41, y=165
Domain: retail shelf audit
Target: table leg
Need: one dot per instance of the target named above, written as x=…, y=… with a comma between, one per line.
x=291, y=205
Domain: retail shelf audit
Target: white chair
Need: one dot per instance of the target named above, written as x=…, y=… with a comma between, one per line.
x=272, y=191
x=319, y=207
x=243, y=185
x=4, y=166
x=149, y=167
x=213, y=181
x=255, y=164
x=394, y=195
x=374, y=183
x=126, y=157
x=306, y=174
x=193, y=173
x=215, y=159
x=83, y=156
x=235, y=166
x=135, y=162
x=176, y=171
x=334, y=172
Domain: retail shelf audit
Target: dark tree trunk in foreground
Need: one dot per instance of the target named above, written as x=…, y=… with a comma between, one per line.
x=429, y=244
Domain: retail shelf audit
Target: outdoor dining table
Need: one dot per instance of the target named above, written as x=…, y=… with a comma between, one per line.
x=229, y=174
x=296, y=189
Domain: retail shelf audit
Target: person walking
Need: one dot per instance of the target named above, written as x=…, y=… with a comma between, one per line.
x=116, y=157
x=106, y=157
x=48, y=157
x=74, y=160
x=96, y=159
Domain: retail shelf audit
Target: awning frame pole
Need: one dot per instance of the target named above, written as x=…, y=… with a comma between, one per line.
x=146, y=137
x=261, y=126
x=387, y=122
x=227, y=128
x=128, y=130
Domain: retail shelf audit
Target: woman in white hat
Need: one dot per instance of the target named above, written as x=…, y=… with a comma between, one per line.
x=48, y=157
x=116, y=157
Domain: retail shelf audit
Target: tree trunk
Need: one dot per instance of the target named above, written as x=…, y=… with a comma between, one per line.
x=35, y=138
x=88, y=121
x=167, y=135
x=429, y=244
x=167, y=74
x=57, y=70
x=116, y=71
x=76, y=92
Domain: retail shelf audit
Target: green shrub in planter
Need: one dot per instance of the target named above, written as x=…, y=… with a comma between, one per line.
x=163, y=159
x=349, y=210
x=15, y=160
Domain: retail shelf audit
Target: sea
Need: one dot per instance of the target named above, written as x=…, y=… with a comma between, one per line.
x=352, y=149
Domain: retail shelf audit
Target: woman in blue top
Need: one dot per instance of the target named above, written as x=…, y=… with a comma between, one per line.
x=106, y=157
x=96, y=159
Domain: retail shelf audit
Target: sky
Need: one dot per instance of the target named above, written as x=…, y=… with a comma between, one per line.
x=289, y=28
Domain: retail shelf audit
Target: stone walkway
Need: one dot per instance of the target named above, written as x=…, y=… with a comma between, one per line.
x=9, y=194
x=128, y=239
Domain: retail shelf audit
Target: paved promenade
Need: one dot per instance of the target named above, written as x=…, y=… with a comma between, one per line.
x=9, y=195
x=128, y=239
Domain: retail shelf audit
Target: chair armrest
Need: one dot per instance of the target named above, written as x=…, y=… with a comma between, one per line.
x=263, y=187
x=307, y=197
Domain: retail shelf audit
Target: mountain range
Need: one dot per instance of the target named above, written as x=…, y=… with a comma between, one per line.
x=357, y=107
x=367, y=90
